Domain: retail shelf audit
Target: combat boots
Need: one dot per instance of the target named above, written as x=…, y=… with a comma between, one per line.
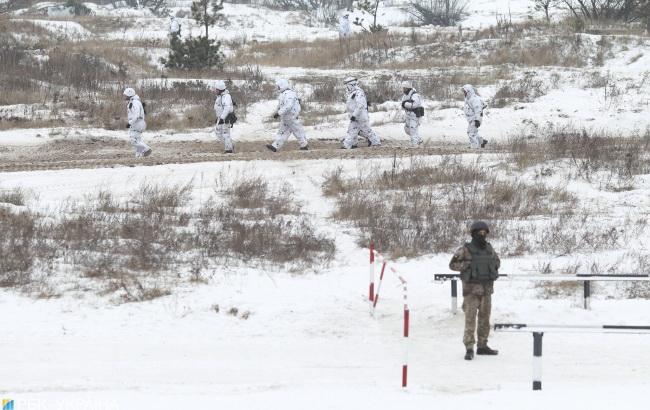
x=487, y=351
x=469, y=355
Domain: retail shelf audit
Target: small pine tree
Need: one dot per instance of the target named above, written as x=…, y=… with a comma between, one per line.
x=201, y=13
x=200, y=52
x=371, y=7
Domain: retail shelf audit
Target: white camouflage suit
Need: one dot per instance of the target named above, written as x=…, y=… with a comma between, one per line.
x=222, y=107
x=411, y=101
x=174, y=27
x=288, y=110
x=473, y=112
x=137, y=125
x=344, y=26
x=357, y=107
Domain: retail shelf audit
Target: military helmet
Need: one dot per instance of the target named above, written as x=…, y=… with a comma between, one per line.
x=220, y=85
x=282, y=84
x=479, y=226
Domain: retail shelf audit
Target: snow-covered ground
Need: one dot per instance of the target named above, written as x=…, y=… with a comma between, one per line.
x=309, y=340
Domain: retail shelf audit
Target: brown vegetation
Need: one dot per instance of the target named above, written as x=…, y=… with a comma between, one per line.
x=140, y=246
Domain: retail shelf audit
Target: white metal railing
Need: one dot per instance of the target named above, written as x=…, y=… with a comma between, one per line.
x=585, y=278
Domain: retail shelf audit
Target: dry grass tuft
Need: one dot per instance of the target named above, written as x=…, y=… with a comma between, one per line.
x=424, y=208
x=139, y=246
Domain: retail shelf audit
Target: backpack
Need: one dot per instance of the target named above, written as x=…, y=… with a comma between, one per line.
x=419, y=111
x=231, y=118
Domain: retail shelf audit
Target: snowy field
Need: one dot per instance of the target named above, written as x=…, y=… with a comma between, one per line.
x=306, y=340
x=309, y=339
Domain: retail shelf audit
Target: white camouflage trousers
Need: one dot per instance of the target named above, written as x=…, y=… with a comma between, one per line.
x=288, y=126
x=222, y=131
x=362, y=128
x=411, y=126
x=138, y=144
x=475, y=140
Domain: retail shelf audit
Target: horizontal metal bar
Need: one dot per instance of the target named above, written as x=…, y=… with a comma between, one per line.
x=556, y=278
x=626, y=327
x=521, y=327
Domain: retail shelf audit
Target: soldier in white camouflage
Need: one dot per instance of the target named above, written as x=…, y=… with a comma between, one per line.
x=478, y=265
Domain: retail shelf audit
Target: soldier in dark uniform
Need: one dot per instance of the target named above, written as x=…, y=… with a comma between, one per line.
x=478, y=265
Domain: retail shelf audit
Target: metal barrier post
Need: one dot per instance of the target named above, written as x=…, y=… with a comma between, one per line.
x=537, y=360
x=587, y=295
x=454, y=296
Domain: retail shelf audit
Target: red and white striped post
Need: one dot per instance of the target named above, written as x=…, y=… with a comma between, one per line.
x=371, y=286
x=384, y=263
x=406, y=334
x=381, y=279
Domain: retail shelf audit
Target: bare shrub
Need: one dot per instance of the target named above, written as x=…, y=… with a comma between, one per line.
x=450, y=170
x=327, y=90
x=260, y=224
x=381, y=49
x=135, y=290
x=195, y=100
x=597, y=80
x=608, y=10
x=559, y=289
x=423, y=208
x=438, y=12
x=254, y=194
x=580, y=232
x=318, y=114
x=322, y=11
x=334, y=184
x=560, y=51
x=546, y=6
x=14, y=196
x=591, y=155
x=525, y=89
x=17, y=247
x=138, y=245
x=249, y=193
x=143, y=234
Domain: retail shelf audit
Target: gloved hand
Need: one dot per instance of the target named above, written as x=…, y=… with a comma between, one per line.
x=477, y=123
x=276, y=115
x=220, y=121
x=353, y=118
x=128, y=125
x=404, y=104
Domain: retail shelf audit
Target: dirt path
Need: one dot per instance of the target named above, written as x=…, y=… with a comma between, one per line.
x=108, y=153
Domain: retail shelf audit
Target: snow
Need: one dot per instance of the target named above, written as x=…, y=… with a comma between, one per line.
x=309, y=340
x=67, y=29
x=485, y=13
